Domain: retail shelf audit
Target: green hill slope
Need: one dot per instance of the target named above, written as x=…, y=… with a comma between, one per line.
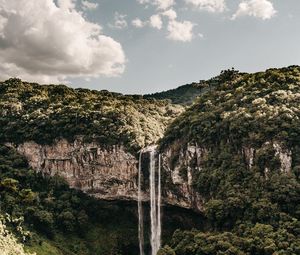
x=183, y=95
x=61, y=220
x=252, y=206
x=44, y=113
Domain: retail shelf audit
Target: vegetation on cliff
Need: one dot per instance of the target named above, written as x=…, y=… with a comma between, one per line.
x=58, y=220
x=9, y=244
x=47, y=217
x=249, y=128
x=244, y=109
x=43, y=113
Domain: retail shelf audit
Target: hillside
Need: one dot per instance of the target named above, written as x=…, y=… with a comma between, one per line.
x=186, y=95
x=43, y=113
x=183, y=95
x=234, y=154
x=58, y=220
x=49, y=218
x=244, y=109
x=247, y=131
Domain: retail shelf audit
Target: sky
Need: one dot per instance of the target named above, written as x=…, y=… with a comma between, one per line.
x=144, y=46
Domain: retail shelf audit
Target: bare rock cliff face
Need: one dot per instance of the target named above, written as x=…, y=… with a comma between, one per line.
x=181, y=164
x=284, y=155
x=106, y=173
x=110, y=173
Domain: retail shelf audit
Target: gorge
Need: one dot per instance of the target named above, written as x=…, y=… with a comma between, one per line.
x=81, y=164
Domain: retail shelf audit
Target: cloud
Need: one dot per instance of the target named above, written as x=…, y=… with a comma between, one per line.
x=262, y=9
x=66, y=4
x=47, y=43
x=160, y=4
x=155, y=21
x=120, y=21
x=138, y=23
x=171, y=14
x=180, y=31
x=208, y=5
x=89, y=5
x=176, y=30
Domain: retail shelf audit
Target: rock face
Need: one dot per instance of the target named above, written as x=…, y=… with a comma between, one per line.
x=181, y=164
x=106, y=173
x=111, y=173
x=284, y=155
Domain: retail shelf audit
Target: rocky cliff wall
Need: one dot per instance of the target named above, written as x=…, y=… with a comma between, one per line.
x=108, y=173
x=105, y=172
x=111, y=173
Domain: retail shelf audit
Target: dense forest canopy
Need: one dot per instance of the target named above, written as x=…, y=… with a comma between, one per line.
x=44, y=113
x=244, y=108
x=183, y=95
x=50, y=218
x=251, y=208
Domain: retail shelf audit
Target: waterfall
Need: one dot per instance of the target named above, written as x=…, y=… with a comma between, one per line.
x=159, y=204
x=153, y=215
x=155, y=202
x=140, y=207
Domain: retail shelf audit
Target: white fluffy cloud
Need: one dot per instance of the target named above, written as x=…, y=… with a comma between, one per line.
x=256, y=8
x=176, y=30
x=119, y=21
x=171, y=14
x=66, y=4
x=155, y=21
x=180, y=31
x=47, y=43
x=208, y=5
x=89, y=5
x=160, y=4
x=138, y=23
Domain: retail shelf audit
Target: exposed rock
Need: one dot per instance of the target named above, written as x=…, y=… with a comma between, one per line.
x=105, y=172
x=111, y=173
x=285, y=157
x=181, y=164
x=248, y=153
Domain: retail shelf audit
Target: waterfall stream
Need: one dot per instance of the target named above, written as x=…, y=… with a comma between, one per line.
x=159, y=204
x=140, y=207
x=155, y=203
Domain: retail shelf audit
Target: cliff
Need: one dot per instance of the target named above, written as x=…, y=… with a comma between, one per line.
x=109, y=172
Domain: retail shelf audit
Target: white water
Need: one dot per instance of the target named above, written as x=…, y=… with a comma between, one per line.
x=153, y=214
x=155, y=203
x=140, y=207
x=159, y=204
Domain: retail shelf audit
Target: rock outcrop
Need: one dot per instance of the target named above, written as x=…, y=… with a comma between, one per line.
x=110, y=172
x=284, y=155
x=181, y=164
x=105, y=172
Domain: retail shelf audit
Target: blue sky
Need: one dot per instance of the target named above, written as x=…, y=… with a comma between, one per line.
x=139, y=46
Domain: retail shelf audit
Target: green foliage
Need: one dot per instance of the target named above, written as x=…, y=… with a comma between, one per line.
x=243, y=109
x=260, y=239
x=62, y=220
x=43, y=113
x=250, y=207
x=183, y=95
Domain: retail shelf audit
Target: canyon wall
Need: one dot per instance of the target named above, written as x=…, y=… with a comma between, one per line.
x=105, y=172
x=111, y=173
